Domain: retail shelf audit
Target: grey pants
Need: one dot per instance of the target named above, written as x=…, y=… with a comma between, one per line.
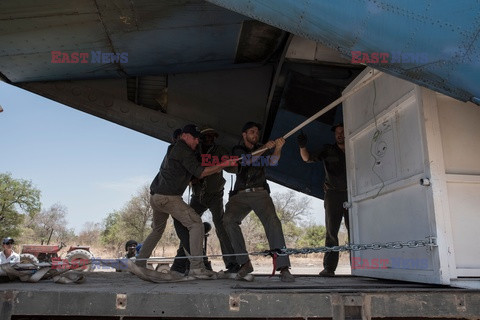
x=238, y=207
x=213, y=202
x=334, y=212
x=163, y=206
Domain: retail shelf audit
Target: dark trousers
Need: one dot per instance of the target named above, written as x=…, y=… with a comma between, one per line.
x=214, y=203
x=334, y=212
x=237, y=209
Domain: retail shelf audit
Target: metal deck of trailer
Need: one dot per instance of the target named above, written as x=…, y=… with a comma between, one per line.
x=124, y=296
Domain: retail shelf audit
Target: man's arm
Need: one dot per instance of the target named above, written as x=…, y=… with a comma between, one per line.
x=302, y=143
x=192, y=165
x=223, y=154
x=214, y=169
x=277, y=152
x=304, y=154
x=237, y=152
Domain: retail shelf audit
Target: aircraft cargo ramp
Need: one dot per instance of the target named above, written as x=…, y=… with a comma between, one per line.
x=108, y=295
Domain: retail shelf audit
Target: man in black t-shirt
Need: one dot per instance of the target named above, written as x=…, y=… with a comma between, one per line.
x=207, y=195
x=251, y=193
x=335, y=187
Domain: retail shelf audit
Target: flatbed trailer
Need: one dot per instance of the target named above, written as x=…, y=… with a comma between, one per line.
x=108, y=295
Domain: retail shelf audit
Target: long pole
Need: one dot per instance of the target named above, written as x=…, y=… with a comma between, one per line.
x=328, y=108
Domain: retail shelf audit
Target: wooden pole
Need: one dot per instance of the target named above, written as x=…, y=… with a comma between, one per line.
x=332, y=105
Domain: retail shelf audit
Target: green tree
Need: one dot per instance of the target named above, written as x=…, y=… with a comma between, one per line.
x=289, y=207
x=90, y=234
x=254, y=234
x=292, y=233
x=18, y=198
x=113, y=232
x=313, y=236
x=134, y=221
x=137, y=215
x=48, y=226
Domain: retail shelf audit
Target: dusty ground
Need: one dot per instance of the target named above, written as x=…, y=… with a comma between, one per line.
x=301, y=264
x=312, y=264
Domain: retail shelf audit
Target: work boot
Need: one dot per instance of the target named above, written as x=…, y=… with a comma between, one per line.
x=178, y=269
x=208, y=264
x=202, y=273
x=245, y=269
x=286, y=276
x=233, y=268
x=327, y=273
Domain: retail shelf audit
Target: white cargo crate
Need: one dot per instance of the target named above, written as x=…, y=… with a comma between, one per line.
x=413, y=166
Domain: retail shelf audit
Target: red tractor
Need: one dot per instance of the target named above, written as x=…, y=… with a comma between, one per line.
x=33, y=253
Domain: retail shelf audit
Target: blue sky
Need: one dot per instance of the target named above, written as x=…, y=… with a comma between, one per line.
x=87, y=164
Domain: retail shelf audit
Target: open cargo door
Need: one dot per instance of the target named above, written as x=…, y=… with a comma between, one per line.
x=413, y=173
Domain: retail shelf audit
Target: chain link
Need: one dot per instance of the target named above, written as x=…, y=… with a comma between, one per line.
x=429, y=242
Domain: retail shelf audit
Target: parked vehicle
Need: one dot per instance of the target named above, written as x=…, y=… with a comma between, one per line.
x=32, y=253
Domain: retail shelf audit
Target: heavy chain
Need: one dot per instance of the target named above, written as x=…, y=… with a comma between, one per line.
x=429, y=242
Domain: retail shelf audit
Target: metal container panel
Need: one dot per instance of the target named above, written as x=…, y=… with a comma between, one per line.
x=396, y=135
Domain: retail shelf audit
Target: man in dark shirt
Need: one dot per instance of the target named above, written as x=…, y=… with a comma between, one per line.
x=166, y=190
x=207, y=194
x=335, y=186
x=251, y=192
x=176, y=135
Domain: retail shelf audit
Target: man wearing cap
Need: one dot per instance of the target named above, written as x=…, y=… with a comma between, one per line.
x=8, y=255
x=335, y=187
x=175, y=136
x=166, y=190
x=208, y=194
x=251, y=192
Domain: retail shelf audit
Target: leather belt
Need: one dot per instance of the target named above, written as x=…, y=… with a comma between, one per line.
x=252, y=189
